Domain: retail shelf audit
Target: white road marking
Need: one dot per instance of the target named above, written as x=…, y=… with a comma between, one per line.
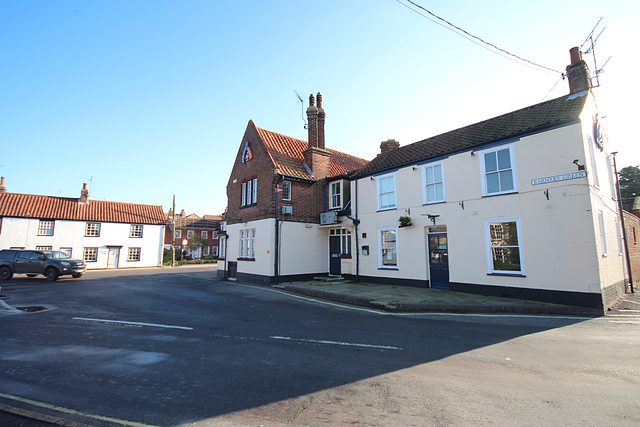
x=385, y=347
x=628, y=322
x=122, y=322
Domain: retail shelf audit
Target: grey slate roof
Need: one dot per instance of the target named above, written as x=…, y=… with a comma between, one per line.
x=527, y=120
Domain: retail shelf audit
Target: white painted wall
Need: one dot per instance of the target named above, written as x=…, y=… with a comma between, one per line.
x=560, y=236
x=23, y=232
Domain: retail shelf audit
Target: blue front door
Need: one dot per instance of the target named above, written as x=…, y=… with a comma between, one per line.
x=438, y=261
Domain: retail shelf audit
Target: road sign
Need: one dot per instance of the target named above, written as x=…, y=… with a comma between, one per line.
x=185, y=242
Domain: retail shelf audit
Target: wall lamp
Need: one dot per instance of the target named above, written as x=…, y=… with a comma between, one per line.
x=577, y=163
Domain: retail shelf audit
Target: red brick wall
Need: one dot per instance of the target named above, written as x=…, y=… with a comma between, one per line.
x=307, y=199
x=632, y=226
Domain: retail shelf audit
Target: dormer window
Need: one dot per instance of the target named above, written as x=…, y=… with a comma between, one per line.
x=335, y=195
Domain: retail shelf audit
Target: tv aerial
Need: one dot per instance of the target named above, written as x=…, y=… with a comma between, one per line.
x=301, y=108
x=591, y=41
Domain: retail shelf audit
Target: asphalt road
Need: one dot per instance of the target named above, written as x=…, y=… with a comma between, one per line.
x=175, y=347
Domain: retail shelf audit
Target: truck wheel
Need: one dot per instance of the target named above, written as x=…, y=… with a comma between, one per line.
x=52, y=274
x=5, y=273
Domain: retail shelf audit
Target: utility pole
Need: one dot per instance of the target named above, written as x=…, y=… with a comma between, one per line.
x=173, y=233
x=624, y=229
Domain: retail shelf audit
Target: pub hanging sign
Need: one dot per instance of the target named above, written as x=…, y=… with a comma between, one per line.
x=566, y=176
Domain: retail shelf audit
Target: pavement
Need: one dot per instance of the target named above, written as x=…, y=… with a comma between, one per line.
x=411, y=299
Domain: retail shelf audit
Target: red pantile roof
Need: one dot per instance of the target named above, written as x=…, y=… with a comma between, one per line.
x=526, y=120
x=288, y=158
x=64, y=208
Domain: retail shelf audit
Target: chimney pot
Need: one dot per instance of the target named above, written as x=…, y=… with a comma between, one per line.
x=2, y=187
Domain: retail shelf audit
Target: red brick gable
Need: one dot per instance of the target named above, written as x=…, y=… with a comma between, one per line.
x=64, y=208
x=287, y=154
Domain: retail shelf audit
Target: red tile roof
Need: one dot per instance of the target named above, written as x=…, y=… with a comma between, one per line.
x=64, y=208
x=530, y=119
x=288, y=158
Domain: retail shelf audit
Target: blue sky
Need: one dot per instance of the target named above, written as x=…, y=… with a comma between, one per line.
x=146, y=99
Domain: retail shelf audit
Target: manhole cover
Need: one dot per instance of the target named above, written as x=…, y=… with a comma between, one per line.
x=32, y=308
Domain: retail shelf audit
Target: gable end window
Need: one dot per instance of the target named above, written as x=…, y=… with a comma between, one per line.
x=249, y=192
x=386, y=192
x=45, y=228
x=504, y=246
x=136, y=230
x=433, y=178
x=498, y=171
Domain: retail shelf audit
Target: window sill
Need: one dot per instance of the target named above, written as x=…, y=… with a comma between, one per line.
x=437, y=202
x=246, y=259
x=345, y=256
x=387, y=209
x=499, y=194
x=388, y=268
x=507, y=274
x=248, y=206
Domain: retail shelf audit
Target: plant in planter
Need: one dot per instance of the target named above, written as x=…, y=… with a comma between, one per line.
x=405, y=221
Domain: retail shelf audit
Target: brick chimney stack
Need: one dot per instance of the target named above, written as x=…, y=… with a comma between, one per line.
x=84, y=195
x=316, y=157
x=3, y=189
x=388, y=145
x=578, y=72
x=320, y=131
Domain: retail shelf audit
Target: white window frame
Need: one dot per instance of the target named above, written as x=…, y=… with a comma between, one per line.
x=67, y=251
x=286, y=190
x=382, y=248
x=136, y=231
x=335, y=195
x=214, y=251
x=204, y=234
x=594, y=166
x=247, y=243
x=244, y=194
x=619, y=237
x=484, y=173
x=90, y=254
x=178, y=234
x=92, y=229
x=612, y=179
x=520, y=246
x=255, y=191
x=189, y=234
x=427, y=182
x=603, y=235
x=392, y=204
x=45, y=227
x=44, y=248
x=249, y=192
x=133, y=254
x=345, y=239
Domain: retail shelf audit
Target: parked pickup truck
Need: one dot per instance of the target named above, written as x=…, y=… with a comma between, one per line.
x=52, y=264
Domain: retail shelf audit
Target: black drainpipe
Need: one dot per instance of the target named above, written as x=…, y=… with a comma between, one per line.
x=356, y=221
x=277, y=248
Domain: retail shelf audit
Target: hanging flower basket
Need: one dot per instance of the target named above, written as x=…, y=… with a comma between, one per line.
x=405, y=221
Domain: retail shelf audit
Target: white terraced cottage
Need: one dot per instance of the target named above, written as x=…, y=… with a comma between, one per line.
x=104, y=234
